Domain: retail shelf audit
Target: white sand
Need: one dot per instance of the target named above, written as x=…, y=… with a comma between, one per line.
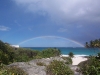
x=77, y=59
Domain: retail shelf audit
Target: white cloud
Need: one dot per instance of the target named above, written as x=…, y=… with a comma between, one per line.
x=4, y=28
x=68, y=11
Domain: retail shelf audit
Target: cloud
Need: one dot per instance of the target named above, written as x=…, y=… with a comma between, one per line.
x=68, y=11
x=4, y=28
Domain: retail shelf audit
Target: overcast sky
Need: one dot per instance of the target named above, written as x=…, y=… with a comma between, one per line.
x=61, y=23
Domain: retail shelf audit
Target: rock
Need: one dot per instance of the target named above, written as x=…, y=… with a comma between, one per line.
x=31, y=67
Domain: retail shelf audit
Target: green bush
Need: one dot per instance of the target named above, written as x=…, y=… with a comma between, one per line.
x=98, y=56
x=10, y=55
x=40, y=64
x=22, y=58
x=4, y=58
x=50, y=52
x=12, y=71
x=16, y=71
x=6, y=53
x=4, y=70
x=24, y=55
x=90, y=67
x=58, y=68
x=68, y=60
x=71, y=54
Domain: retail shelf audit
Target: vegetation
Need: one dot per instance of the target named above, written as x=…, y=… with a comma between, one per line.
x=11, y=70
x=9, y=55
x=27, y=54
x=6, y=53
x=40, y=64
x=58, y=68
x=92, y=65
x=71, y=55
x=50, y=52
x=93, y=44
x=24, y=55
x=68, y=60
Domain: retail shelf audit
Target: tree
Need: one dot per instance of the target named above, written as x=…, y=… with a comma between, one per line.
x=6, y=53
x=86, y=45
x=92, y=65
x=93, y=44
x=71, y=54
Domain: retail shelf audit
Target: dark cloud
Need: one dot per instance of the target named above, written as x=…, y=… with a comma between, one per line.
x=70, y=11
x=80, y=18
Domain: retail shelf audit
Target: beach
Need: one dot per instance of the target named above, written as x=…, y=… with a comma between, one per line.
x=77, y=58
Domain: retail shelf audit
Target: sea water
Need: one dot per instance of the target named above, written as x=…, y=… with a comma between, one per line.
x=77, y=51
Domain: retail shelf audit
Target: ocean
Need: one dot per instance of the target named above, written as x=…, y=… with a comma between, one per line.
x=76, y=50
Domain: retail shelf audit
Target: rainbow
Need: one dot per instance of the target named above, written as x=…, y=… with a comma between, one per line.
x=51, y=37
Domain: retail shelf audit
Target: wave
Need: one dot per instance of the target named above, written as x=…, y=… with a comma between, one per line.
x=82, y=55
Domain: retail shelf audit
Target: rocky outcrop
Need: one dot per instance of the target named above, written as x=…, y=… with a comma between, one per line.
x=31, y=67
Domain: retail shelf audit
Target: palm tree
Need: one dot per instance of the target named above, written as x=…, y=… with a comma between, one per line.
x=93, y=44
x=87, y=45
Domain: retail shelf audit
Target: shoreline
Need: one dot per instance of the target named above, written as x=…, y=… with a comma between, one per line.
x=77, y=58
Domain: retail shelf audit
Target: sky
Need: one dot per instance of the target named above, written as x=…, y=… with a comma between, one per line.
x=49, y=23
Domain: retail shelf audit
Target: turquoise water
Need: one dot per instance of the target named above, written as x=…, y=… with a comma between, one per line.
x=76, y=51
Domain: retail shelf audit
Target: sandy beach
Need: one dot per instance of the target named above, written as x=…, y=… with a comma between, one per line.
x=77, y=59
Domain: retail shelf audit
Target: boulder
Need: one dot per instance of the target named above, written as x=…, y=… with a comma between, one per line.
x=31, y=67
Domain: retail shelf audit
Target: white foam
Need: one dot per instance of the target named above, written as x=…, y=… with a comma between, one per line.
x=74, y=55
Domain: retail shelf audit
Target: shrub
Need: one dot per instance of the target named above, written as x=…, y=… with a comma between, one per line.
x=23, y=55
x=71, y=55
x=98, y=56
x=4, y=58
x=4, y=70
x=50, y=52
x=22, y=58
x=90, y=67
x=68, y=60
x=40, y=64
x=6, y=53
x=16, y=71
x=58, y=68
